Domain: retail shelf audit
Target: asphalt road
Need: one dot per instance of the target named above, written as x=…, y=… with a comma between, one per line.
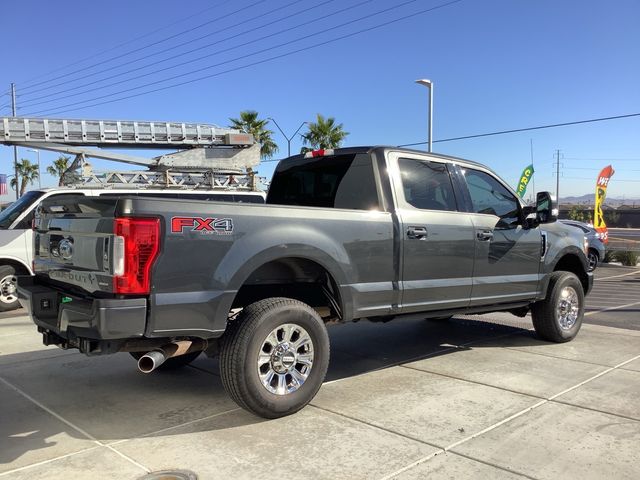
x=615, y=298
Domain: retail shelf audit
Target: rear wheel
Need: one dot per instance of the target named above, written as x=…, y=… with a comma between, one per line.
x=274, y=357
x=173, y=362
x=558, y=317
x=8, y=289
x=593, y=259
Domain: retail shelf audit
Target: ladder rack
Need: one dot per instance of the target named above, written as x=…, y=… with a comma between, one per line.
x=208, y=156
x=120, y=133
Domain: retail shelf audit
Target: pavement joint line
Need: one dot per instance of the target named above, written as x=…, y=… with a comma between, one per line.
x=494, y=465
x=619, y=330
x=191, y=422
x=618, y=276
x=513, y=417
x=618, y=307
x=413, y=359
x=50, y=412
x=619, y=415
x=69, y=423
x=475, y=382
x=50, y=460
x=377, y=427
x=203, y=370
x=558, y=357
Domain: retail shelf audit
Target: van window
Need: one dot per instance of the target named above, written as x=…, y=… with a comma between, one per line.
x=17, y=208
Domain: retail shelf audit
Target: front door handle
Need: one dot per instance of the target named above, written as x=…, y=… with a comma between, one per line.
x=484, y=235
x=417, y=233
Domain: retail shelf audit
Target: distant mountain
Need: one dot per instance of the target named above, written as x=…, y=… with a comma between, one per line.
x=588, y=199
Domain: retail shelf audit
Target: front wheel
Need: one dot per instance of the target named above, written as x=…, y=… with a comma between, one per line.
x=8, y=289
x=274, y=357
x=558, y=317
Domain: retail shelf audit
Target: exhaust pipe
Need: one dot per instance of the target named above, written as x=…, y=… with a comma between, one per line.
x=152, y=360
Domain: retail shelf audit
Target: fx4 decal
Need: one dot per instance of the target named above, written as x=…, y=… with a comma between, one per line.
x=219, y=226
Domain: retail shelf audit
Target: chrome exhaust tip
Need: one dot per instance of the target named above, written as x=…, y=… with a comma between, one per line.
x=150, y=361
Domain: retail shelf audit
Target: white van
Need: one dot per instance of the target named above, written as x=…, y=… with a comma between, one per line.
x=16, y=238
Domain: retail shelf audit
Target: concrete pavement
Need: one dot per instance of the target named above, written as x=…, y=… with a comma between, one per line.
x=469, y=398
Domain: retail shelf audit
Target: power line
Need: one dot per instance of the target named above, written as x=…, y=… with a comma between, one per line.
x=616, y=179
x=115, y=47
x=540, y=127
x=174, y=77
x=502, y=132
x=160, y=52
x=603, y=159
x=184, y=32
x=258, y=62
x=153, y=72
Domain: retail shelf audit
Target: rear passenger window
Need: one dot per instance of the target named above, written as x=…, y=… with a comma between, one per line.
x=340, y=181
x=427, y=185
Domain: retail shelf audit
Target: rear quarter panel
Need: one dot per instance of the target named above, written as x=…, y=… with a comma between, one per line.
x=199, y=272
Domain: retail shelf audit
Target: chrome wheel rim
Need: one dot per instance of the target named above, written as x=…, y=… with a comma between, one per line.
x=568, y=308
x=8, y=289
x=285, y=359
x=593, y=261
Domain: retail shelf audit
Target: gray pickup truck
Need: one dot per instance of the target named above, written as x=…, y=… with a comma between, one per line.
x=346, y=234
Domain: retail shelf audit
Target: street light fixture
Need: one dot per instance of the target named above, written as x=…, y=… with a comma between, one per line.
x=429, y=84
x=285, y=136
x=37, y=152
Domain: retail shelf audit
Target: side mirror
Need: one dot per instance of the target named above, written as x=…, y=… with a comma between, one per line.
x=546, y=208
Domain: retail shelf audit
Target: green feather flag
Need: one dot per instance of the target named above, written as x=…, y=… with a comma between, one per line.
x=527, y=173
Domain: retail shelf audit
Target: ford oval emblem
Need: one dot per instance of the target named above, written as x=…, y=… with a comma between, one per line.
x=65, y=247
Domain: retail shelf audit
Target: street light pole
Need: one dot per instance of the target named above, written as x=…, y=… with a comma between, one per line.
x=285, y=136
x=15, y=149
x=429, y=84
x=37, y=152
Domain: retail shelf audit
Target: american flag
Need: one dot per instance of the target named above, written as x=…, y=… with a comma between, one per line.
x=3, y=184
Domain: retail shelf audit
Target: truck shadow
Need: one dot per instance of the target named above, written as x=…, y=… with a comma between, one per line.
x=107, y=398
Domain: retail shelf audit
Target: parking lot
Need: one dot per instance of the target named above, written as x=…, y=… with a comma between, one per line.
x=473, y=397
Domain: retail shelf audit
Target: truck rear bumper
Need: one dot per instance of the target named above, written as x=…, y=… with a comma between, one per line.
x=76, y=319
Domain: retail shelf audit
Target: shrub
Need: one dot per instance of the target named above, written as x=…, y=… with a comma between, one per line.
x=609, y=256
x=628, y=258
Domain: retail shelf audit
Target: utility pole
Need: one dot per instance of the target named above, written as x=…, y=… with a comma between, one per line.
x=15, y=149
x=558, y=177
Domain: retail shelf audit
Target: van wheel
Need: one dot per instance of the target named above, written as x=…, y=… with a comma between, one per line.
x=173, y=362
x=274, y=357
x=558, y=317
x=8, y=289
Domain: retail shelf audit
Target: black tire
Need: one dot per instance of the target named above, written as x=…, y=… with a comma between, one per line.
x=173, y=362
x=246, y=338
x=593, y=259
x=546, y=319
x=8, y=284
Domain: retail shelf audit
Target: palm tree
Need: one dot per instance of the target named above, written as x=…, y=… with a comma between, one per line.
x=250, y=123
x=323, y=133
x=58, y=169
x=27, y=173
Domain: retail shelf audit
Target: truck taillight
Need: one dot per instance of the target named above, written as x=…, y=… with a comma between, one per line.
x=136, y=247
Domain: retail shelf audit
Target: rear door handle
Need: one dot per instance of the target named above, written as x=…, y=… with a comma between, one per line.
x=484, y=235
x=417, y=233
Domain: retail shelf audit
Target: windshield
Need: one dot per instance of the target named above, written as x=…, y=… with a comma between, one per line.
x=13, y=211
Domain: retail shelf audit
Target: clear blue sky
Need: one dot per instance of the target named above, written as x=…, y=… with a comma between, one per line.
x=496, y=64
